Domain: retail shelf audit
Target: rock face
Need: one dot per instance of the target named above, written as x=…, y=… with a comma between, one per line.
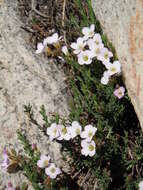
x=122, y=21
x=25, y=78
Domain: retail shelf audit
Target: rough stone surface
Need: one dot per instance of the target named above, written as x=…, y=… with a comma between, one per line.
x=122, y=21
x=25, y=78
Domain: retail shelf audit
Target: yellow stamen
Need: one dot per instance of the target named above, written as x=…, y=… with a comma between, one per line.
x=64, y=130
x=46, y=162
x=85, y=58
x=77, y=131
x=113, y=69
x=97, y=42
x=91, y=147
x=106, y=56
x=90, y=134
x=55, y=131
x=52, y=170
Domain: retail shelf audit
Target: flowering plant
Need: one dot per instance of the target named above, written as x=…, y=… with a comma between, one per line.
x=101, y=139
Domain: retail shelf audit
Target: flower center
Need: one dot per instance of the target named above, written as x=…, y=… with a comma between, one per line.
x=91, y=33
x=85, y=58
x=46, y=162
x=97, y=42
x=90, y=134
x=55, y=131
x=52, y=170
x=119, y=93
x=97, y=51
x=80, y=46
x=91, y=147
x=77, y=131
x=64, y=130
x=113, y=69
x=106, y=56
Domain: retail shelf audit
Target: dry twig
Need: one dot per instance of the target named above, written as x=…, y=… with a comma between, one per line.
x=86, y=177
x=95, y=185
x=63, y=13
x=76, y=174
x=36, y=11
x=63, y=20
x=28, y=29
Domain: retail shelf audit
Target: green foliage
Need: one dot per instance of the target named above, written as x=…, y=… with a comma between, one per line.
x=119, y=138
x=29, y=164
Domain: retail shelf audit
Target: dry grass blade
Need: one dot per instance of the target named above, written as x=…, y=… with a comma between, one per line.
x=86, y=177
x=33, y=5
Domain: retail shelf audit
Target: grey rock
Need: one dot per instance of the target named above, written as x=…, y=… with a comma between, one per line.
x=122, y=21
x=25, y=78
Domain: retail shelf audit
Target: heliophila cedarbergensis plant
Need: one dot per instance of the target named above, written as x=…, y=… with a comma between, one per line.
x=86, y=48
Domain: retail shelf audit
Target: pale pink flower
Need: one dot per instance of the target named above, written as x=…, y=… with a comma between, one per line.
x=6, y=160
x=105, y=78
x=44, y=161
x=88, y=148
x=75, y=129
x=78, y=46
x=88, y=32
x=9, y=187
x=95, y=49
x=120, y=92
x=88, y=133
x=53, y=131
x=64, y=133
x=52, y=39
x=34, y=146
x=85, y=57
x=113, y=68
x=97, y=39
x=105, y=56
x=65, y=50
x=52, y=171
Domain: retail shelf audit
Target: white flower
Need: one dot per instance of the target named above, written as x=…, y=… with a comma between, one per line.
x=52, y=171
x=113, y=68
x=94, y=44
x=40, y=48
x=88, y=133
x=65, y=50
x=97, y=39
x=88, y=148
x=52, y=39
x=96, y=50
x=85, y=57
x=88, y=32
x=105, y=78
x=44, y=161
x=141, y=185
x=53, y=131
x=78, y=46
x=64, y=133
x=75, y=129
x=105, y=56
